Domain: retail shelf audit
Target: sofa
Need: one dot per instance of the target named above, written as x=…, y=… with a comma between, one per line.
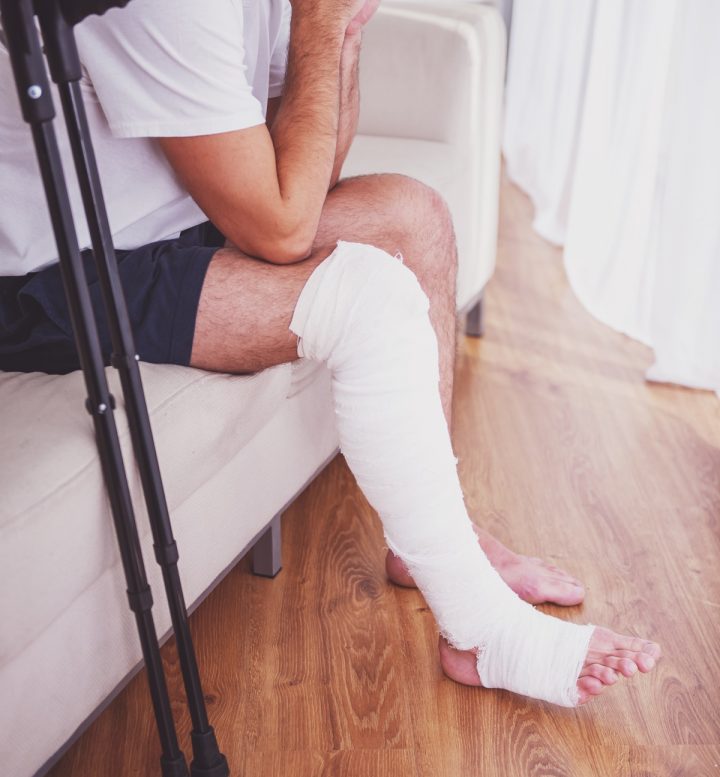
x=233, y=450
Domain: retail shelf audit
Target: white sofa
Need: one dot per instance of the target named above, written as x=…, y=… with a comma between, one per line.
x=234, y=450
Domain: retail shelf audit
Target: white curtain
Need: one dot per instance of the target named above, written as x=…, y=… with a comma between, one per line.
x=613, y=127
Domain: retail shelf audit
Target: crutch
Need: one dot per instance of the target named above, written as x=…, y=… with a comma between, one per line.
x=57, y=18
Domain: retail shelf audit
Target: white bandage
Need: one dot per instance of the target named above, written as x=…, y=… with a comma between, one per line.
x=364, y=314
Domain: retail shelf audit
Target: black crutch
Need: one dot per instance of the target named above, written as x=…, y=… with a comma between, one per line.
x=57, y=18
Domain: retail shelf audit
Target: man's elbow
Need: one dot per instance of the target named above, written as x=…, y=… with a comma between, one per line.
x=288, y=250
x=282, y=246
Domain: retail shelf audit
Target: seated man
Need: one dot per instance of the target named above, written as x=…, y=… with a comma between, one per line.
x=199, y=111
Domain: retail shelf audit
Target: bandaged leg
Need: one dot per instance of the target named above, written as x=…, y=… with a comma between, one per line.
x=364, y=314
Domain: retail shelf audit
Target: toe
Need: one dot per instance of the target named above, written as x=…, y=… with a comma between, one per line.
x=589, y=687
x=565, y=591
x=642, y=661
x=605, y=674
x=625, y=666
x=645, y=662
x=635, y=645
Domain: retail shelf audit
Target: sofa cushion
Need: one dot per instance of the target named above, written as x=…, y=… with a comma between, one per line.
x=53, y=503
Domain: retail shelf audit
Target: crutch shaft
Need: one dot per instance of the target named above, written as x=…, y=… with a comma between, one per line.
x=38, y=111
x=66, y=71
x=100, y=406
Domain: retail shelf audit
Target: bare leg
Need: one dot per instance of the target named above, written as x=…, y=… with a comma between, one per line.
x=245, y=310
x=256, y=299
x=400, y=214
x=397, y=213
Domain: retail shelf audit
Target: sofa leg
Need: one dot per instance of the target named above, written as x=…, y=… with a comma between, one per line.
x=473, y=320
x=266, y=560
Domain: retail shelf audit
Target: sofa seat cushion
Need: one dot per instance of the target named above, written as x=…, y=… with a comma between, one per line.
x=54, y=516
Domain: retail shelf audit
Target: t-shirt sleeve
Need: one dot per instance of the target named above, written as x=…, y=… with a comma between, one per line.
x=170, y=68
x=278, y=61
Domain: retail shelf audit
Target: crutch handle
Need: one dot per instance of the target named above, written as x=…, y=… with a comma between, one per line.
x=31, y=78
x=27, y=62
x=60, y=48
x=58, y=18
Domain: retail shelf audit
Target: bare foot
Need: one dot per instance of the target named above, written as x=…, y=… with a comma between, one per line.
x=532, y=579
x=609, y=656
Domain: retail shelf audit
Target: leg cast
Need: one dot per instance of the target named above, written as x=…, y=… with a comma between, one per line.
x=365, y=315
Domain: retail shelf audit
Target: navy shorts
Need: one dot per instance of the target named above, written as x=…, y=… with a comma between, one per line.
x=162, y=283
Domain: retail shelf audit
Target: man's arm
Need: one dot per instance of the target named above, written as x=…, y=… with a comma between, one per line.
x=265, y=189
x=349, y=103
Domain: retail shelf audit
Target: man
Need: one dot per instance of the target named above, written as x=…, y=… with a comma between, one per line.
x=200, y=111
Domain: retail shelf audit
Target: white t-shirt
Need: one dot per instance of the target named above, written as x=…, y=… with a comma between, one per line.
x=157, y=68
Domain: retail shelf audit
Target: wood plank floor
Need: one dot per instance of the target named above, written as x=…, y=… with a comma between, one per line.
x=565, y=452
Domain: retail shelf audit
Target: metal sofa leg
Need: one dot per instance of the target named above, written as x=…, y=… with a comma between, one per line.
x=266, y=560
x=473, y=320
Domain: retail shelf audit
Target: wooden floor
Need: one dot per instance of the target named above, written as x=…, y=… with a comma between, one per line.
x=565, y=452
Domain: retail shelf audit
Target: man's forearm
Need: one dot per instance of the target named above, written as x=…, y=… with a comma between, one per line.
x=305, y=131
x=349, y=102
x=265, y=188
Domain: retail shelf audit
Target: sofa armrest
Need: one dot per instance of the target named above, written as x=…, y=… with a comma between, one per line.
x=420, y=70
x=431, y=80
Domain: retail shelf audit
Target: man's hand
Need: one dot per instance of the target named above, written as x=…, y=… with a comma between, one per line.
x=349, y=93
x=362, y=17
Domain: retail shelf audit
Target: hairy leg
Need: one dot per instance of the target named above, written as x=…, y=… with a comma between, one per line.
x=246, y=304
x=399, y=214
x=243, y=319
x=402, y=215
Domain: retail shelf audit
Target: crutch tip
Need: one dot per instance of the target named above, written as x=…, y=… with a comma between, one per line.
x=208, y=761
x=174, y=767
x=219, y=769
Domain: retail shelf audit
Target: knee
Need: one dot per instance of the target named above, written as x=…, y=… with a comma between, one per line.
x=423, y=224
x=356, y=300
x=412, y=203
x=383, y=283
